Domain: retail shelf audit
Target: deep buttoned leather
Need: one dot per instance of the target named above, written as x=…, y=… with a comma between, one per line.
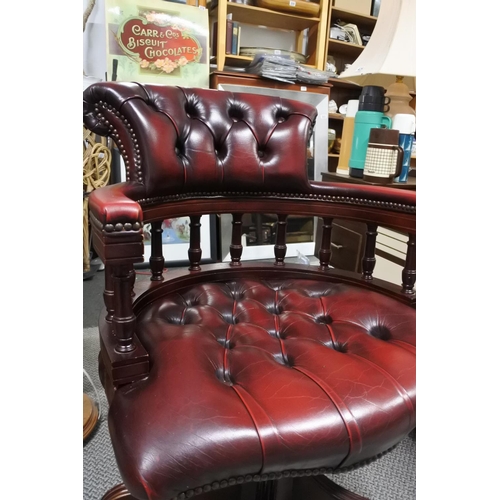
x=248, y=379
x=204, y=140
x=254, y=377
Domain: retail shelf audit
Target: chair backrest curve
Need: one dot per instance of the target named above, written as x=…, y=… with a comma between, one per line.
x=181, y=140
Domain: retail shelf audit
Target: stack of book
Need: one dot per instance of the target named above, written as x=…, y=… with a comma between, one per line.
x=233, y=35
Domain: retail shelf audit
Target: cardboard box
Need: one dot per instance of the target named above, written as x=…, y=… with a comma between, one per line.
x=359, y=6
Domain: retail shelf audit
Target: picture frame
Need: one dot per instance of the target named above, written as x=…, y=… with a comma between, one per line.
x=175, y=252
x=157, y=42
x=175, y=238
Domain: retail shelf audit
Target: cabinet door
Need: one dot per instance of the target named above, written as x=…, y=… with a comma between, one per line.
x=347, y=245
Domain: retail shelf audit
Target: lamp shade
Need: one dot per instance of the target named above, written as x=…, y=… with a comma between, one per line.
x=391, y=50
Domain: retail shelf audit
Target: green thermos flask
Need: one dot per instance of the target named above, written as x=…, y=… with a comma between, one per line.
x=370, y=114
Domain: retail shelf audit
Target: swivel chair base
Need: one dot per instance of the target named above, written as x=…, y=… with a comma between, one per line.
x=298, y=488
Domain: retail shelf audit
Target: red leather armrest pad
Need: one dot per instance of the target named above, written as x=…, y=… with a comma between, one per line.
x=116, y=203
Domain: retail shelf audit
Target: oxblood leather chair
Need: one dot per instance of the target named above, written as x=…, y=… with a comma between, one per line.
x=242, y=380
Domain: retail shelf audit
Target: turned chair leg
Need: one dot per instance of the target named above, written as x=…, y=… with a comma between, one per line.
x=300, y=488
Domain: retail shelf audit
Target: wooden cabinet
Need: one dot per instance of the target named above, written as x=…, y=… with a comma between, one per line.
x=346, y=245
x=314, y=28
x=348, y=240
x=248, y=79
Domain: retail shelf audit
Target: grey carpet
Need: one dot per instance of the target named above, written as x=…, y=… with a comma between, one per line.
x=392, y=477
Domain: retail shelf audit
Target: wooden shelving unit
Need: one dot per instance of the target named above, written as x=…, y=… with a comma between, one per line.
x=320, y=46
x=271, y=18
x=343, y=53
x=354, y=17
x=258, y=16
x=346, y=48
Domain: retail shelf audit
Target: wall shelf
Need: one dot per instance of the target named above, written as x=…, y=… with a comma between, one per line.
x=260, y=16
x=344, y=84
x=305, y=27
x=353, y=17
x=344, y=53
x=349, y=49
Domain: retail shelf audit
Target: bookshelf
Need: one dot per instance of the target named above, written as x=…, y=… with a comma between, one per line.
x=310, y=27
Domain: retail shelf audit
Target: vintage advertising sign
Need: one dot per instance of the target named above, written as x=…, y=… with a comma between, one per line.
x=153, y=41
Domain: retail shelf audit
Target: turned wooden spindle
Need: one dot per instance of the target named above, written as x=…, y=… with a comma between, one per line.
x=369, y=260
x=156, y=261
x=409, y=273
x=194, y=251
x=123, y=317
x=325, y=251
x=236, y=248
x=108, y=292
x=132, y=282
x=280, y=245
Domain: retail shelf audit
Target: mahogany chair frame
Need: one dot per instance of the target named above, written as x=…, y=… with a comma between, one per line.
x=123, y=358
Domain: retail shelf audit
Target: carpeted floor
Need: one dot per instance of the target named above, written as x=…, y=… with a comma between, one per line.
x=392, y=477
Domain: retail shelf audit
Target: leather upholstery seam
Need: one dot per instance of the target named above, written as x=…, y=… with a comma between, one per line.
x=390, y=378
x=254, y=421
x=347, y=427
x=403, y=345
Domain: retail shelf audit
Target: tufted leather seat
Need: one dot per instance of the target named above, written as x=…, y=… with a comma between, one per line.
x=250, y=375
x=229, y=374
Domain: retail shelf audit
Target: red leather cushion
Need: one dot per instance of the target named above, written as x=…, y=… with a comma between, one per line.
x=253, y=377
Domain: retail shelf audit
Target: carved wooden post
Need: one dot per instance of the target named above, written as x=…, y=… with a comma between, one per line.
x=369, y=255
x=108, y=293
x=409, y=273
x=325, y=251
x=194, y=251
x=156, y=261
x=123, y=317
x=280, y=246
x=132, y=282
x=236, y=248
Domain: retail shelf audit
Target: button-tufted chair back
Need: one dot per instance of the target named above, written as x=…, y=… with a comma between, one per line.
x=220, y=376
x=218, y=141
